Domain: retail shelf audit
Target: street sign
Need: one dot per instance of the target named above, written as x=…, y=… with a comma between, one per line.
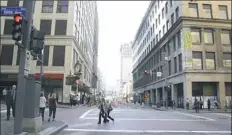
x=11, y=11
x=27, y=63
x=159, y=74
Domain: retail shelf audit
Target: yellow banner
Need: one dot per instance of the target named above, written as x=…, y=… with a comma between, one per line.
x=187, y=40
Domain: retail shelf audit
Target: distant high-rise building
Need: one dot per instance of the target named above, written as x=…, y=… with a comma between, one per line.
x=126, y=64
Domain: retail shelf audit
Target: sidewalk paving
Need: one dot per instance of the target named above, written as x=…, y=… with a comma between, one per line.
x=48, y=128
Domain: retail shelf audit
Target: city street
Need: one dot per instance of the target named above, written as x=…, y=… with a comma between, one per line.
x=149, y=121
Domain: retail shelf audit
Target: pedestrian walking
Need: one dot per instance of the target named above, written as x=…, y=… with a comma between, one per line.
x=208, y=104
x=52, y=106
x=102, y=112
x=10, y=101
x=197, y=106
x=42, y=105
x=71, y=100
x=187, y=104
x=173, y=104
x=109, y=108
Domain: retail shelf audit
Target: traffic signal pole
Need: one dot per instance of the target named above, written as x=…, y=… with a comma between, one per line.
x=26, y=30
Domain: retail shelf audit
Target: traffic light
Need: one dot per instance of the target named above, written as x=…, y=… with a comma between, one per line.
x=37, y=41
x=17, y=28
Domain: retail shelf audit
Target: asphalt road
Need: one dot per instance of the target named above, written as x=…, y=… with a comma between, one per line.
x=147, y=121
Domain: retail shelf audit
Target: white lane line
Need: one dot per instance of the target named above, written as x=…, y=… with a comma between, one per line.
x=84, y=114
x=222, y=114
x=147, y=131
x=195, y=116
x=130, y=119
x=80, y=125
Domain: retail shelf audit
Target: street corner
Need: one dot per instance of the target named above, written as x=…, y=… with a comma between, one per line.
x=51, y=128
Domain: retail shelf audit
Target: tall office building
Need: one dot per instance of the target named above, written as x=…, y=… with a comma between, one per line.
x=71, y=29
x=126, y=65
x=186, y=47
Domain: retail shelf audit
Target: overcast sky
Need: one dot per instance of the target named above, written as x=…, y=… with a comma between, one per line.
x=118, y=24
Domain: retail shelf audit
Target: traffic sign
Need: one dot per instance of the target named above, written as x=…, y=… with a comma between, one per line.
x=27, y=63
x=11, y=11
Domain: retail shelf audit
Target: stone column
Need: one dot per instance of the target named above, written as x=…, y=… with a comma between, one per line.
x=174, y=93
x=157, y=96
x=188, y=92
x=32, y=122
x=221, y=94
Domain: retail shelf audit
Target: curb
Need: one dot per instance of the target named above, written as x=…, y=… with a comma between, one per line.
x=55, y=130
x=58, y=129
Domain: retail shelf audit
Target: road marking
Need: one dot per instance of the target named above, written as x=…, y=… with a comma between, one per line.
x=130, y=119
x=147, y=131
x=196, y=116
x=222, y=114
x=80, y=125
x=84, y=114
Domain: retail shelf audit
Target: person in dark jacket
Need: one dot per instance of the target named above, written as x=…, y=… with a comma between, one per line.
x=52, y=104
x=102, y=112
x=10, y=101
x=197, y=105
x=208, y=104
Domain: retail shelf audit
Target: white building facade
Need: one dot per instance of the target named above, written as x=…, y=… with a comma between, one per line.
x=71, y=29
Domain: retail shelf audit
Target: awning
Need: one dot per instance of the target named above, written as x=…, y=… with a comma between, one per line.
x=50, y=76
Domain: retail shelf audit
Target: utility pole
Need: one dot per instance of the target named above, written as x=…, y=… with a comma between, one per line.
x=18, y=121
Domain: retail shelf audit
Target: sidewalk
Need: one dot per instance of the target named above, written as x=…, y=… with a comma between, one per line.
x=192, y=111
x=48, y=128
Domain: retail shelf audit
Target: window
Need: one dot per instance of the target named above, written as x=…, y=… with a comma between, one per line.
x=210, y=60
x=197, y=60
x=193, y=9
x=159, y=18
x=58, y=56
x=168, y=48
x=157, y=38
x=45, y=26
x=169, y=67
x=61, y=26
x=170, y=3
x=175, y=65
x=167, y=25
x=180, y=62
x=62, y=6
x=163, y=29
x=208, y=36
x=223, y=14
x=163, y=13
x=47, y=6
x=177, y=13
x=8, y=27
x=13, y=3
x=159, y=34
x=227, y=59
x=207, y=11
x=196, y=36
x=178, y=40
x=225, y=37
x=156, y=23
x=166, y=7
x=153, y=28
x=172, y=19
x=46, y=56
x=155, y=9
x=7, y=54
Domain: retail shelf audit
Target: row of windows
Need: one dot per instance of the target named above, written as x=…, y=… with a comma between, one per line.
x=210, y=60
x=58, y=55
x=45, y=26
x=207, y=11
x=47, y=5
x=209, y=36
